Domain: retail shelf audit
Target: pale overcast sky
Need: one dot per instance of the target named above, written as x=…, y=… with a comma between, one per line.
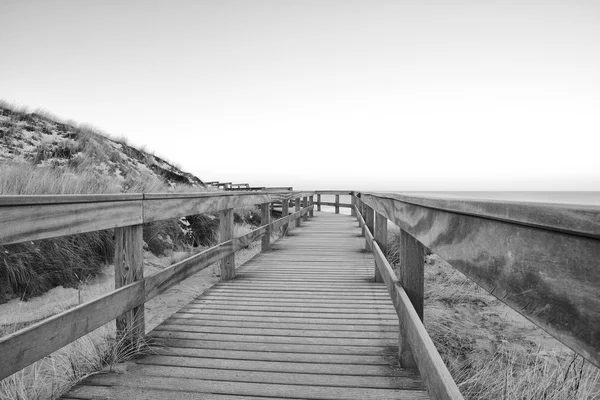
x=371, y=95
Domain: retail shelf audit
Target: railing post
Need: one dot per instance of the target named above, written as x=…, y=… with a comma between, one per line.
x=225, y=234
x=337, y=203
x=381, y=237
x=360, y=222
x=311, y=204
x=304, y=205
x=265, y=219
x=285, y=211
x=369, y=222
x=412, y=257
x=318, y=202
x=353, y=203
x=298, y=209
x=129, y=268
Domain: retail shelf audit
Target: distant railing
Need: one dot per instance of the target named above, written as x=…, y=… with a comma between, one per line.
x=26, y=218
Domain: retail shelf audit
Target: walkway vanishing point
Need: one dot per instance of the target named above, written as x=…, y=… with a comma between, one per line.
x=303, y=321
x=319, y=314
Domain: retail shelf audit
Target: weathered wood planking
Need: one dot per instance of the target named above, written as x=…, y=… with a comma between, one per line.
x=274, y=332
x=129, y=268
x=550, y=277
x=36, y=341
x=333, y=204
x=156, y=209
x=25, y=218
x=576, y=219
x=20, y=223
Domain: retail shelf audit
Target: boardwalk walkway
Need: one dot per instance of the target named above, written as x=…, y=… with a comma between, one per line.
x=304, y=321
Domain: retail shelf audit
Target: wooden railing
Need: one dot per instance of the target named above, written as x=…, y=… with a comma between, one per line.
x=543, y=260
x=26, y=218
x=540, y=259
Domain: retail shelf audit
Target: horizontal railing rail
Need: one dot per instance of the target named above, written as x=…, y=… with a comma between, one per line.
x=25, y=218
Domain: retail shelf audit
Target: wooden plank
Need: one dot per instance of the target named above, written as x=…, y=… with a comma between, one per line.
x=333, y=204
x=129, y=268
x=282, y=357
x=336, y=315
x=297, y=205
x=268, y=377
x=576, y=219
x=333, y=192
x=380, y=236
x=284, y=213
x=287, y=319
x=276, y=339
x=47, y=199
x=273, y=324
x=160, y=207
x=310, y=308
x=185, y=326
x=412, y=264
x=225, y=234
x=38, y=340
x=257, y=389
x=292, y=367
x=266, y=220
x=126, y=393
x=34, y=222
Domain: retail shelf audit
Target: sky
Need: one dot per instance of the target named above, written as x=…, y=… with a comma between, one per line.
x=365, y=95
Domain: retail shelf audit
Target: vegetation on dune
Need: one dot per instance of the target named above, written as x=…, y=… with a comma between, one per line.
x=40, y=154
x=488, y=356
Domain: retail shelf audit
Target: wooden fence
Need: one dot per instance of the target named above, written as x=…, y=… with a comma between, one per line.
x=26, y=218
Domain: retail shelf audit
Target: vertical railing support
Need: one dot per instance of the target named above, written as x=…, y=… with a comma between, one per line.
x=129, y=268
x=304, y=205
x=353, y=203
x=225, y=234
x=359, y=204
x=311, y=204
x=285, y=211
x=381, y=237
x=412, y=258
x=298, y=209
x=369, y=222
x=337, y=203
x=265, y=219
x=318, y=202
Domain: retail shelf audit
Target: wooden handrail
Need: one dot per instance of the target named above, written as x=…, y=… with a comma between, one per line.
x=32, y=343
x=540, y=259
x=42, y=217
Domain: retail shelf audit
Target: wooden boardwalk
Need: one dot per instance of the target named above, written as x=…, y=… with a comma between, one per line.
x=303, y=321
